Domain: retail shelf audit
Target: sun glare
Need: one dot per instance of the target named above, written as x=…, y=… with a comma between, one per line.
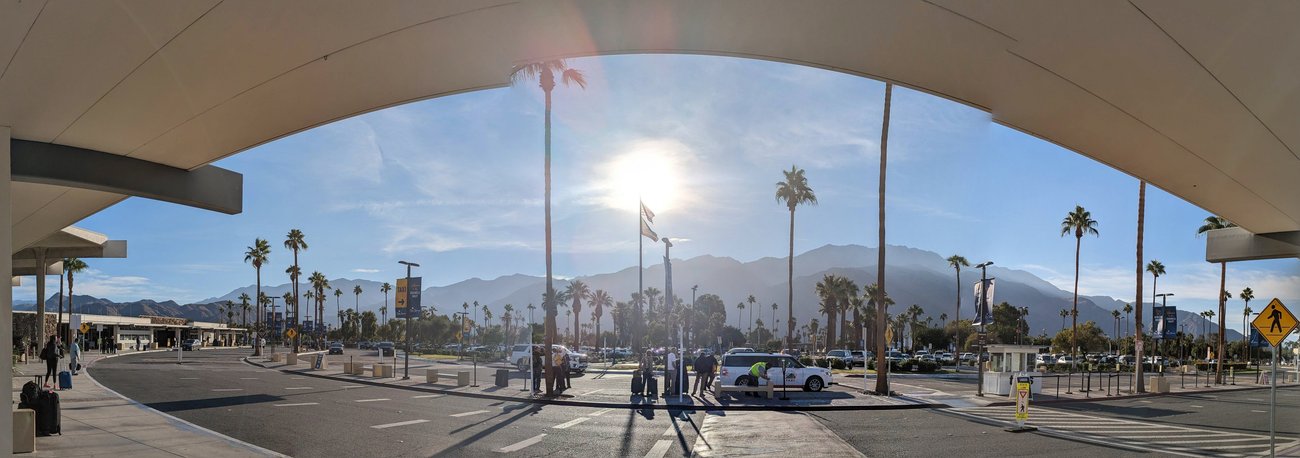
x=647, y=169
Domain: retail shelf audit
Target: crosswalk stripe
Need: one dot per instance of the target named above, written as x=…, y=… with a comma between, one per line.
x=373, y=400
x=599, y=412
x=660, y=449
x=466, y=414
x=426, y=396
x=400, y=423
x=522, y=444
x=671, y=431
x=227, y=389
x=572, y=422
x=298, y=388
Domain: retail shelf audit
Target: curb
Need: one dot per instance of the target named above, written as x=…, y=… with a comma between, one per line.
x=559, y=402
x=191, y=426
x=1134, y=396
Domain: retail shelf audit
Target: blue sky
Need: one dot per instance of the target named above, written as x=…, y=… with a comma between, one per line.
x=454, y=183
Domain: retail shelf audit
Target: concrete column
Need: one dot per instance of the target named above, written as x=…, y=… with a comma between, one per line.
x=6, y=294
x=40, y=296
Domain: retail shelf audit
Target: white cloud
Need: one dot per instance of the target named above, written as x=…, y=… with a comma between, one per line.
x=366, y=271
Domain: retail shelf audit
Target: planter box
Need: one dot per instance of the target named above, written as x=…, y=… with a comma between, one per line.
x=291, y=359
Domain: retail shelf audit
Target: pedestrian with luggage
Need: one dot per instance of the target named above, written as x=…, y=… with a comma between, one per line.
x=51, y=354
x=74, y=357
x=703, y=373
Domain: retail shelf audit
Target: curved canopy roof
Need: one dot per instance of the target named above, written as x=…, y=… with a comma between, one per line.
x=1199, y=98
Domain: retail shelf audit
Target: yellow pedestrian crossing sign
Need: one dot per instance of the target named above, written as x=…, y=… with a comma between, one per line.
x=290, y=333
x=1275, y=322
x=85, y=327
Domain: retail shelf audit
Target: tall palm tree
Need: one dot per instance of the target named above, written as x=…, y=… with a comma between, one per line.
x=774, y=307
x=384, y=310
x=244, y=305
x=943, y=320
x=828, y=291
x=1137, y=324
x=913, y=312
x=741, y=310
x=1156, y=269
x=356, y=293
x=319, y=284
x=257, y=255
x=882, y=380
x=751, y=300
x=508, y=320
x=846, y=289
x=544, y=72
x=1079, y=222
x=1064, y=313
x=874, y=309
x=1115, y=314
x=1246, y=296
x=1128, y=308
x=1213, y=223
x=793, y=191
x=599, y=300
x=295, y=241
x=957, y=262
x=338, y=308
x=577, y=291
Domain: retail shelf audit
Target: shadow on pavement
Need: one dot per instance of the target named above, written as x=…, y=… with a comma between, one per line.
x=177, y=406
x=456, y=449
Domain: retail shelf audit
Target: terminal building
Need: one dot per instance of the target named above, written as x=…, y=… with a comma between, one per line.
x=125, y=332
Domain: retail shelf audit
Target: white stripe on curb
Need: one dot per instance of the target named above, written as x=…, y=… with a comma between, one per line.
x=400, y=423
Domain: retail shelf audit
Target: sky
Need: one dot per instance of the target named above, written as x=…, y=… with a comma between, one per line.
x=455, y=184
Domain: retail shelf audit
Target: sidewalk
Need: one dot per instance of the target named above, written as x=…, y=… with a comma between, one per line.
x=99, y=422
x=596, y=388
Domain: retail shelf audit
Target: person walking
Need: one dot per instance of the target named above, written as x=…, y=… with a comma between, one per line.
x=51, y=354
x=74, y=357
x=670, y=372
x=568, y=373
x=703, y=373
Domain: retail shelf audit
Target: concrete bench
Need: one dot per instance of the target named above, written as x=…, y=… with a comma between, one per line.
x=432, y=376
x=383, y=370
x=24, y=430
x=291, y=359
x=719, y=389
x=276, y=357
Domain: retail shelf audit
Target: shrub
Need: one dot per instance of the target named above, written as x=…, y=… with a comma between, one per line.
x=822, y=362
x=838, y=364
x=917, y=365
x=805, y=360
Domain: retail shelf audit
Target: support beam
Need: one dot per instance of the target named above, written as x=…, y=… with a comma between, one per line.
x=1237, y=244
x=207, y=187
x=6, y=294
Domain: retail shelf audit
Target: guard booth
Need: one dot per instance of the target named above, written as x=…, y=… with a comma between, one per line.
x=1006, y=362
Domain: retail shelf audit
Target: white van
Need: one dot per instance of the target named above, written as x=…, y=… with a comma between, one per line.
x=734, y=370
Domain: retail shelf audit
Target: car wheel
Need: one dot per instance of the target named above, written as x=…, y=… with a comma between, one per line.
x=814, y=384
x=742, y=380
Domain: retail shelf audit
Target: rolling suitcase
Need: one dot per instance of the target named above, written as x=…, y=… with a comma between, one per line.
x=47, y=414
x=652, y=386
x=65, y=380
x=638, y=383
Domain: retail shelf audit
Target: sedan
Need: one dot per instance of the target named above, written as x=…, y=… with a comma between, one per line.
x=336, y=348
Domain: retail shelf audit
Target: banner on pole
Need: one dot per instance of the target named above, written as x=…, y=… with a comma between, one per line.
x=408, y=298
x=983, y=312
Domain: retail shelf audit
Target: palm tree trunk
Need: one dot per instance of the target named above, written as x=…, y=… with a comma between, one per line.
x=882, y=379
x=789, y=279
x=547, y=370
x=957, y=318
x=1074, y=312
x=296, y=310
x=1223, y=303
x=1137, y=323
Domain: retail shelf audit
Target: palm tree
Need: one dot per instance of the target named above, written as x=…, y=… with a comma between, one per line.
x=1079, y=222
x=827, y=290
x=943, y=320
x=914, y=311
x=1246, y=295
x=793, y=192
x=741, y=308
x=1137, y=325
x=385, y=288
x=545, y=71
x=882, y=380
x=338, y=308
x=1128, y=308
x=356, y=293
x=846, y=289
x=957, y=262
x=599, y=300
x=577, y=291
x=257, y=255
x=296, y=242
x=1214, y=223
x=751, y=300
x=244, y=305
x=1115, y=314
x=1064, y=313
x=774, y=307
x=1156, y=269
x=319, y=284
x=874, y=308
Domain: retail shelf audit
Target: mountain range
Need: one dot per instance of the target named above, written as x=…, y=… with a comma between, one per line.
x=913, y=276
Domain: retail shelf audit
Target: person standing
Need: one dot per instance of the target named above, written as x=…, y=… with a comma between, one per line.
x=670, y=372
x=568, y=373
x=51, y=354
x=703, y=373
x=537, y=369
x=74, y=357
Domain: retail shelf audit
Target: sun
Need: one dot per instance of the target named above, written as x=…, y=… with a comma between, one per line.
x=648, y=170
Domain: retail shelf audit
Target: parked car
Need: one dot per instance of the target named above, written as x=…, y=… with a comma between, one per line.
x=190, y=344
x=860, y=357
x=365, y=345
x=842, y=355
x=895, y=356
x=336, y=348
x=740, y=350
x=520, y=356
x=947, y=359
x=734, y=370
x=386, y=349
x=968, y=358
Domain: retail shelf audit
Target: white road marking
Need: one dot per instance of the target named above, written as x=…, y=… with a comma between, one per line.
x=1144, y=401
x=572, y=422
x=298, y=404
x=248, y=378
x=298, y=388
x=373, y=400
x=1194, y=406
x=522, y=444
x=660, y=449
x=400, y=423
x=227, y=389
x=599, y=412
x=189, y=378
x=427, y=396
x=466, y=414
x=672, y=430
x=352, y=386
x=591, y=392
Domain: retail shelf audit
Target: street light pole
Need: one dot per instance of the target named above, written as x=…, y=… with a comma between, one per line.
x=1164, y=304
x=982, y=306
x=406, y=369
x=271, y=334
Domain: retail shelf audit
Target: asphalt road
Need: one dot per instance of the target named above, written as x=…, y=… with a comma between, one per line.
x=307, y=416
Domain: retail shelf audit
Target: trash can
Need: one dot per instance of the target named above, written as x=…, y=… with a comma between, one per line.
x=503, y=377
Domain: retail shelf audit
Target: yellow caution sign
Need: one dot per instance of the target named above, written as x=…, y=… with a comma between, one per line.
x=1275, y=322
x=1022, y=402
x=85, y=327
x=290, y=333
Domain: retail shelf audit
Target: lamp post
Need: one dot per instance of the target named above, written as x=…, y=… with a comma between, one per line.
x=406, y=369
x=1164, y=301
x=690, y=342
x=982, y=305
x=272, y=300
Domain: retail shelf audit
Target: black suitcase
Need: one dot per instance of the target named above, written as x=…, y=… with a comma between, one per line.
x=47, y=414
x=652, y=386
x=638, y=383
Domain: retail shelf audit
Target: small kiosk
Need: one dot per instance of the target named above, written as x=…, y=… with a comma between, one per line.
x=1006, y=362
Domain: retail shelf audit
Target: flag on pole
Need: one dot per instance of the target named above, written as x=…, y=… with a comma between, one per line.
x=646, y=213
x=647, y=232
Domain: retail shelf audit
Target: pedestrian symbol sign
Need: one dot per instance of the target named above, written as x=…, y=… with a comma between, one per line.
x=1275, y=322
x=85, y=327
x=1022, y=402
x=290, y=333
